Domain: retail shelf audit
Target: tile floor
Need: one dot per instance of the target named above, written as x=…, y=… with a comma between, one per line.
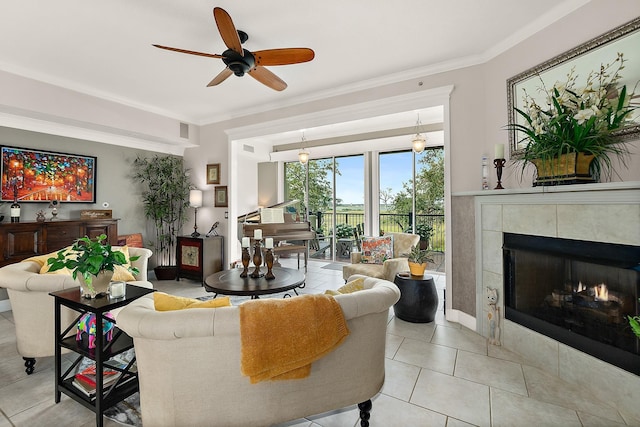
x=438, y=374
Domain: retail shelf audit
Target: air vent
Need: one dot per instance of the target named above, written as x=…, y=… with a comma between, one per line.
x=248, y=148
x=184, y=130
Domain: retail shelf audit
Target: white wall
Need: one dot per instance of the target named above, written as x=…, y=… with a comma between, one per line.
x=33, y=105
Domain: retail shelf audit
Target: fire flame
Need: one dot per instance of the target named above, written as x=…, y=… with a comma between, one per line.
x=581, y=287
x=602, y=293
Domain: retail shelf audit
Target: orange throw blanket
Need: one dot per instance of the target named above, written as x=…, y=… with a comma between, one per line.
x=281, y=337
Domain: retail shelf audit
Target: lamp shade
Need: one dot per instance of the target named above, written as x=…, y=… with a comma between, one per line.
x=195, y=198
x=419, y=142
x=303, y=156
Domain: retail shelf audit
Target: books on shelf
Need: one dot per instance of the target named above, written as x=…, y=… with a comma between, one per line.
x=85, y=379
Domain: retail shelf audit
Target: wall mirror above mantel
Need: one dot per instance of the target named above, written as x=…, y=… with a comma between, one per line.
x=583, y=59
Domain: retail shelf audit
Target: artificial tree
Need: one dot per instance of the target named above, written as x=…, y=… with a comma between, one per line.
x=165, y=196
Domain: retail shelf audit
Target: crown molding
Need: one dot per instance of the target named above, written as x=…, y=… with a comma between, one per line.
x=46, y=123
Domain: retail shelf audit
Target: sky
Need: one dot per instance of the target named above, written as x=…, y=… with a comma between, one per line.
x=395, y=169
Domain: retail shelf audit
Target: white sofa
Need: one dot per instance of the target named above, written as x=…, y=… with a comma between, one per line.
x=33, y=307
x=189, y=365
x=402, y=243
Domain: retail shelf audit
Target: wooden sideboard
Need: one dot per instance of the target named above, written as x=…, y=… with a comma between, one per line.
x=21, y=240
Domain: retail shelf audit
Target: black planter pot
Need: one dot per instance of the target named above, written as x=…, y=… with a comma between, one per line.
x=418, y=298
x=165, y=272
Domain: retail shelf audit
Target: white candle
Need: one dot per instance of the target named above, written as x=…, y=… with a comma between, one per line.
x=257, y=234
x=268, y=243
x=499, y=151
x=116, y=289
x=245, y=242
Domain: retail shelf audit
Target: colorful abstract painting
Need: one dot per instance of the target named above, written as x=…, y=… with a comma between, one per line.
x=44, y=176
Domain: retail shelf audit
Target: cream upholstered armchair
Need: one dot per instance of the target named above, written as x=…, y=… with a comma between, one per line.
x=189, y=364
x=402, y=243
x=33, y=307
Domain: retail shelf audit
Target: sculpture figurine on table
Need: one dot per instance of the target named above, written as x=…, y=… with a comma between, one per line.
x=87, y=324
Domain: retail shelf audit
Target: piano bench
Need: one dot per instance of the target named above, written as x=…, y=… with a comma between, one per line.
x=288, y=249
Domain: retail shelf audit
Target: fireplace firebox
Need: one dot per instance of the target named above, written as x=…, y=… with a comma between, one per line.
x=576, y=292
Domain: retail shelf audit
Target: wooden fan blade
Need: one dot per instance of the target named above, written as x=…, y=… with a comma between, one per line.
x=267, y=78
x=190, y=52
x=227, y=30
x=283, y=56
x=224, y=74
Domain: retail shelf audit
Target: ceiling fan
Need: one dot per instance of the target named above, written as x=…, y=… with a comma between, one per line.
x=240, y=61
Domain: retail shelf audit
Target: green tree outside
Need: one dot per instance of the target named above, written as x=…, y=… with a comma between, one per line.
x=320, y=188
x=429, y=186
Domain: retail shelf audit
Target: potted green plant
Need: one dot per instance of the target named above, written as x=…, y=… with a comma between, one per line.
x=570, y=134
x=344, y=231
x=93, y=262
x=425, y=231
x=165, y=197
x=418, y=259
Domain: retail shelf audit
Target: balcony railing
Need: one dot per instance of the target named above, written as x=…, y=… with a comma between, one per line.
x=389, y=223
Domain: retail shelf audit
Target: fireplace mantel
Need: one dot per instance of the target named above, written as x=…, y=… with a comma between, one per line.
x=558, y=189
x=607, y=213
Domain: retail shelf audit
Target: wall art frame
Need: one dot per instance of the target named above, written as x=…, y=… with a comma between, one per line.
x=46, y=176
x=585, y=58
x=213, y=173
x=221, y=197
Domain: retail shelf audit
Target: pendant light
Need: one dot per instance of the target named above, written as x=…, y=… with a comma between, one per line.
x=303, y=155
x=418, y=142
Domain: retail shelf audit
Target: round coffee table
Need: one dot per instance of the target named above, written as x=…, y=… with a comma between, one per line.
x=229, y=282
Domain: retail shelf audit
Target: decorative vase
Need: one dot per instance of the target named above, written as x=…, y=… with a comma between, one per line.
x=417, y=269
x=99, y=284
x=571, y=168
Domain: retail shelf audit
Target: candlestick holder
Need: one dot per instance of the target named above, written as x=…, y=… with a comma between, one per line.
x=257, y=260
x=268, y=259
x=499, y=164
x=246, y=257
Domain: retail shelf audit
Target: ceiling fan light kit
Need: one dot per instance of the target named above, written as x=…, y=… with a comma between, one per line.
x=240, y=61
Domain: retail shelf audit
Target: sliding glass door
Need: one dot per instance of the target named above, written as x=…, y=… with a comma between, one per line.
x=335, y=197
x=419, y=208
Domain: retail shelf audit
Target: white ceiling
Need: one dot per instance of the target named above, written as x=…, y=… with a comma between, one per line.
x=104, y=48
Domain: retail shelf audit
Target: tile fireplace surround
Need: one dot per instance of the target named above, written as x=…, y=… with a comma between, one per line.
x=595, y=212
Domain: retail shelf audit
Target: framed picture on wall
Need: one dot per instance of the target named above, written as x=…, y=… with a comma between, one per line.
x=46, y=176
x=213, y=173
x=221, y=198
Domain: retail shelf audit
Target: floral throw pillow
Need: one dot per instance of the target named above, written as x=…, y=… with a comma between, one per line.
x=376, y=250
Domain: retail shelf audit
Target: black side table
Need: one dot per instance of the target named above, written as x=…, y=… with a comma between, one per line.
x=418, y=301
x=103, y=351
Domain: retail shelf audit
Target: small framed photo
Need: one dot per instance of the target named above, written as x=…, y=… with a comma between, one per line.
x=221, y=197
x=213, y=173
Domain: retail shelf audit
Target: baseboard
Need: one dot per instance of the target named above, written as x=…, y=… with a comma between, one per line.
x=462, y=318
x=5, y=305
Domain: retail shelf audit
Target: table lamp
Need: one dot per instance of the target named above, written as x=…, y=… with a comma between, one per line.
x=195, y=201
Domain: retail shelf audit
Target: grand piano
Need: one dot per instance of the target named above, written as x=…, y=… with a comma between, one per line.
x=282, y=223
